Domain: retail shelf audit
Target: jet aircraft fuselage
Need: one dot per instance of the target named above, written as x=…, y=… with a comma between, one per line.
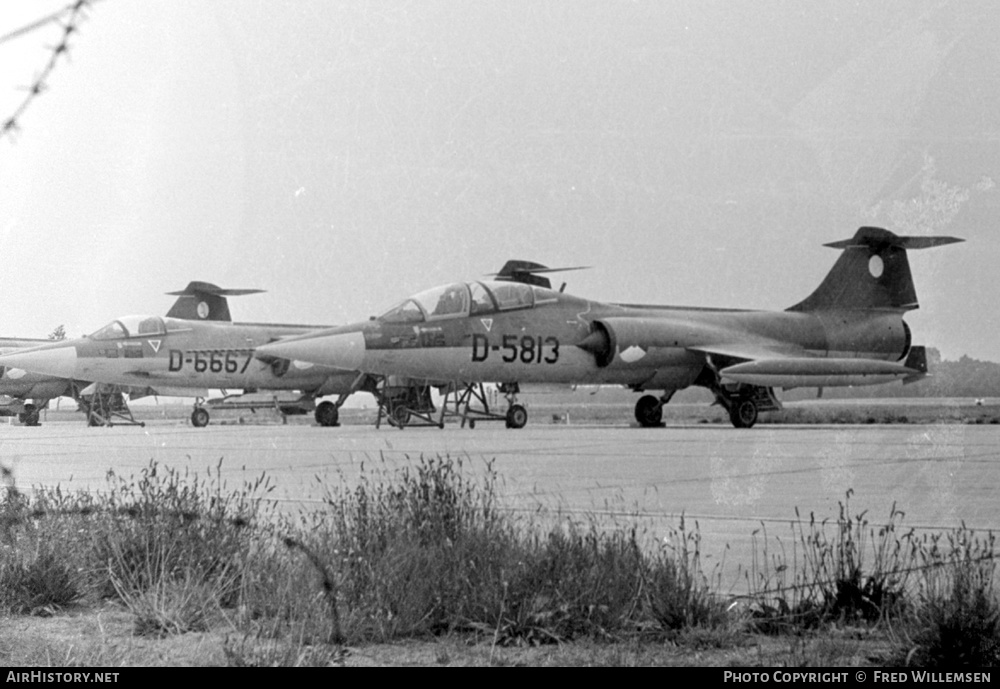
x=179, y=353
x=17, y=385
x=175, y=356
x=551, y=337
x=850, y=331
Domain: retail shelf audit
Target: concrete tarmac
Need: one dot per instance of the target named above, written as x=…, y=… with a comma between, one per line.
x=732, y=482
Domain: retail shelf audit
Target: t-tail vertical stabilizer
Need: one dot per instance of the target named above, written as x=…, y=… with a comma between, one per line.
x=873, y=273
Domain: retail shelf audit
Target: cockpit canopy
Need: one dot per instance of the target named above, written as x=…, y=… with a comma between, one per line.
x=467, y=298
x=131, y=326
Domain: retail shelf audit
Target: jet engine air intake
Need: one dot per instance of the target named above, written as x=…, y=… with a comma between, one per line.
x=601, y=343
x=625, y=341
x=279, y=367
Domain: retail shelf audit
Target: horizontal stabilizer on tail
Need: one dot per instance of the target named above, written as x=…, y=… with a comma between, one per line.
x=878, y=237
x=203, y=301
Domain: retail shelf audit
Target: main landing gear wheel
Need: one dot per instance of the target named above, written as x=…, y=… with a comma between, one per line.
x=30, y=415
x=199, y=418
x=327, y=414
x=517, y=416
x=743, y=413
x=649, y=412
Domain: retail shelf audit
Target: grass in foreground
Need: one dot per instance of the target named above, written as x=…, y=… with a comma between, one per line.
x=427, y=551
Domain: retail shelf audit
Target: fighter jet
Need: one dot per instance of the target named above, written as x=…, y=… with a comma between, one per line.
x=516, y=329
x=195, y=348
x=26, y=393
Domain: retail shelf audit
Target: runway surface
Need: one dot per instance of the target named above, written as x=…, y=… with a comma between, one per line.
x=731, y=482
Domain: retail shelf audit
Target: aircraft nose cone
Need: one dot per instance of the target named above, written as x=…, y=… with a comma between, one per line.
x=345, y=351
x=57, y=361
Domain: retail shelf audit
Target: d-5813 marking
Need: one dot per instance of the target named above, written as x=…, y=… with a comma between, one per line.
x=528, y=349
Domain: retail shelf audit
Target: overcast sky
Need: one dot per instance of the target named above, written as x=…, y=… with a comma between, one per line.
x=342, y=155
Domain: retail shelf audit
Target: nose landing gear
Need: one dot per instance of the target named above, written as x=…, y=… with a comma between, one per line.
x=517, y=416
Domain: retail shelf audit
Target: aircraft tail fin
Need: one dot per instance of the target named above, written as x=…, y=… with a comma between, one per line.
x=872, y=273
x=203, y=301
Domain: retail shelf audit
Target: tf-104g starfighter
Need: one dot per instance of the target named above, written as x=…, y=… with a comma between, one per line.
x=516, y=330
x=187, y=355
x=197, y=301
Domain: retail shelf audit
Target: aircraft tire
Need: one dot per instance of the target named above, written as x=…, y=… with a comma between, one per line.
x=649, y=412
x=327, y=414
x=743, y=413
x=30, y=415
x=199, y=418
x=517, y=416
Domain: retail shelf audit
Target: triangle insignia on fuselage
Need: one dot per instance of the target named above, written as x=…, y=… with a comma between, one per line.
x=487, y=323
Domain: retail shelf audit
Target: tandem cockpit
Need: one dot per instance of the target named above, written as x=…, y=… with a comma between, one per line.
x=131, y=326
x=461, y=299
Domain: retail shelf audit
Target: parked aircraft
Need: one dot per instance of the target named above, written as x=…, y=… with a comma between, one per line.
x=26, y=393
x=516, y=329
x=194, y=349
